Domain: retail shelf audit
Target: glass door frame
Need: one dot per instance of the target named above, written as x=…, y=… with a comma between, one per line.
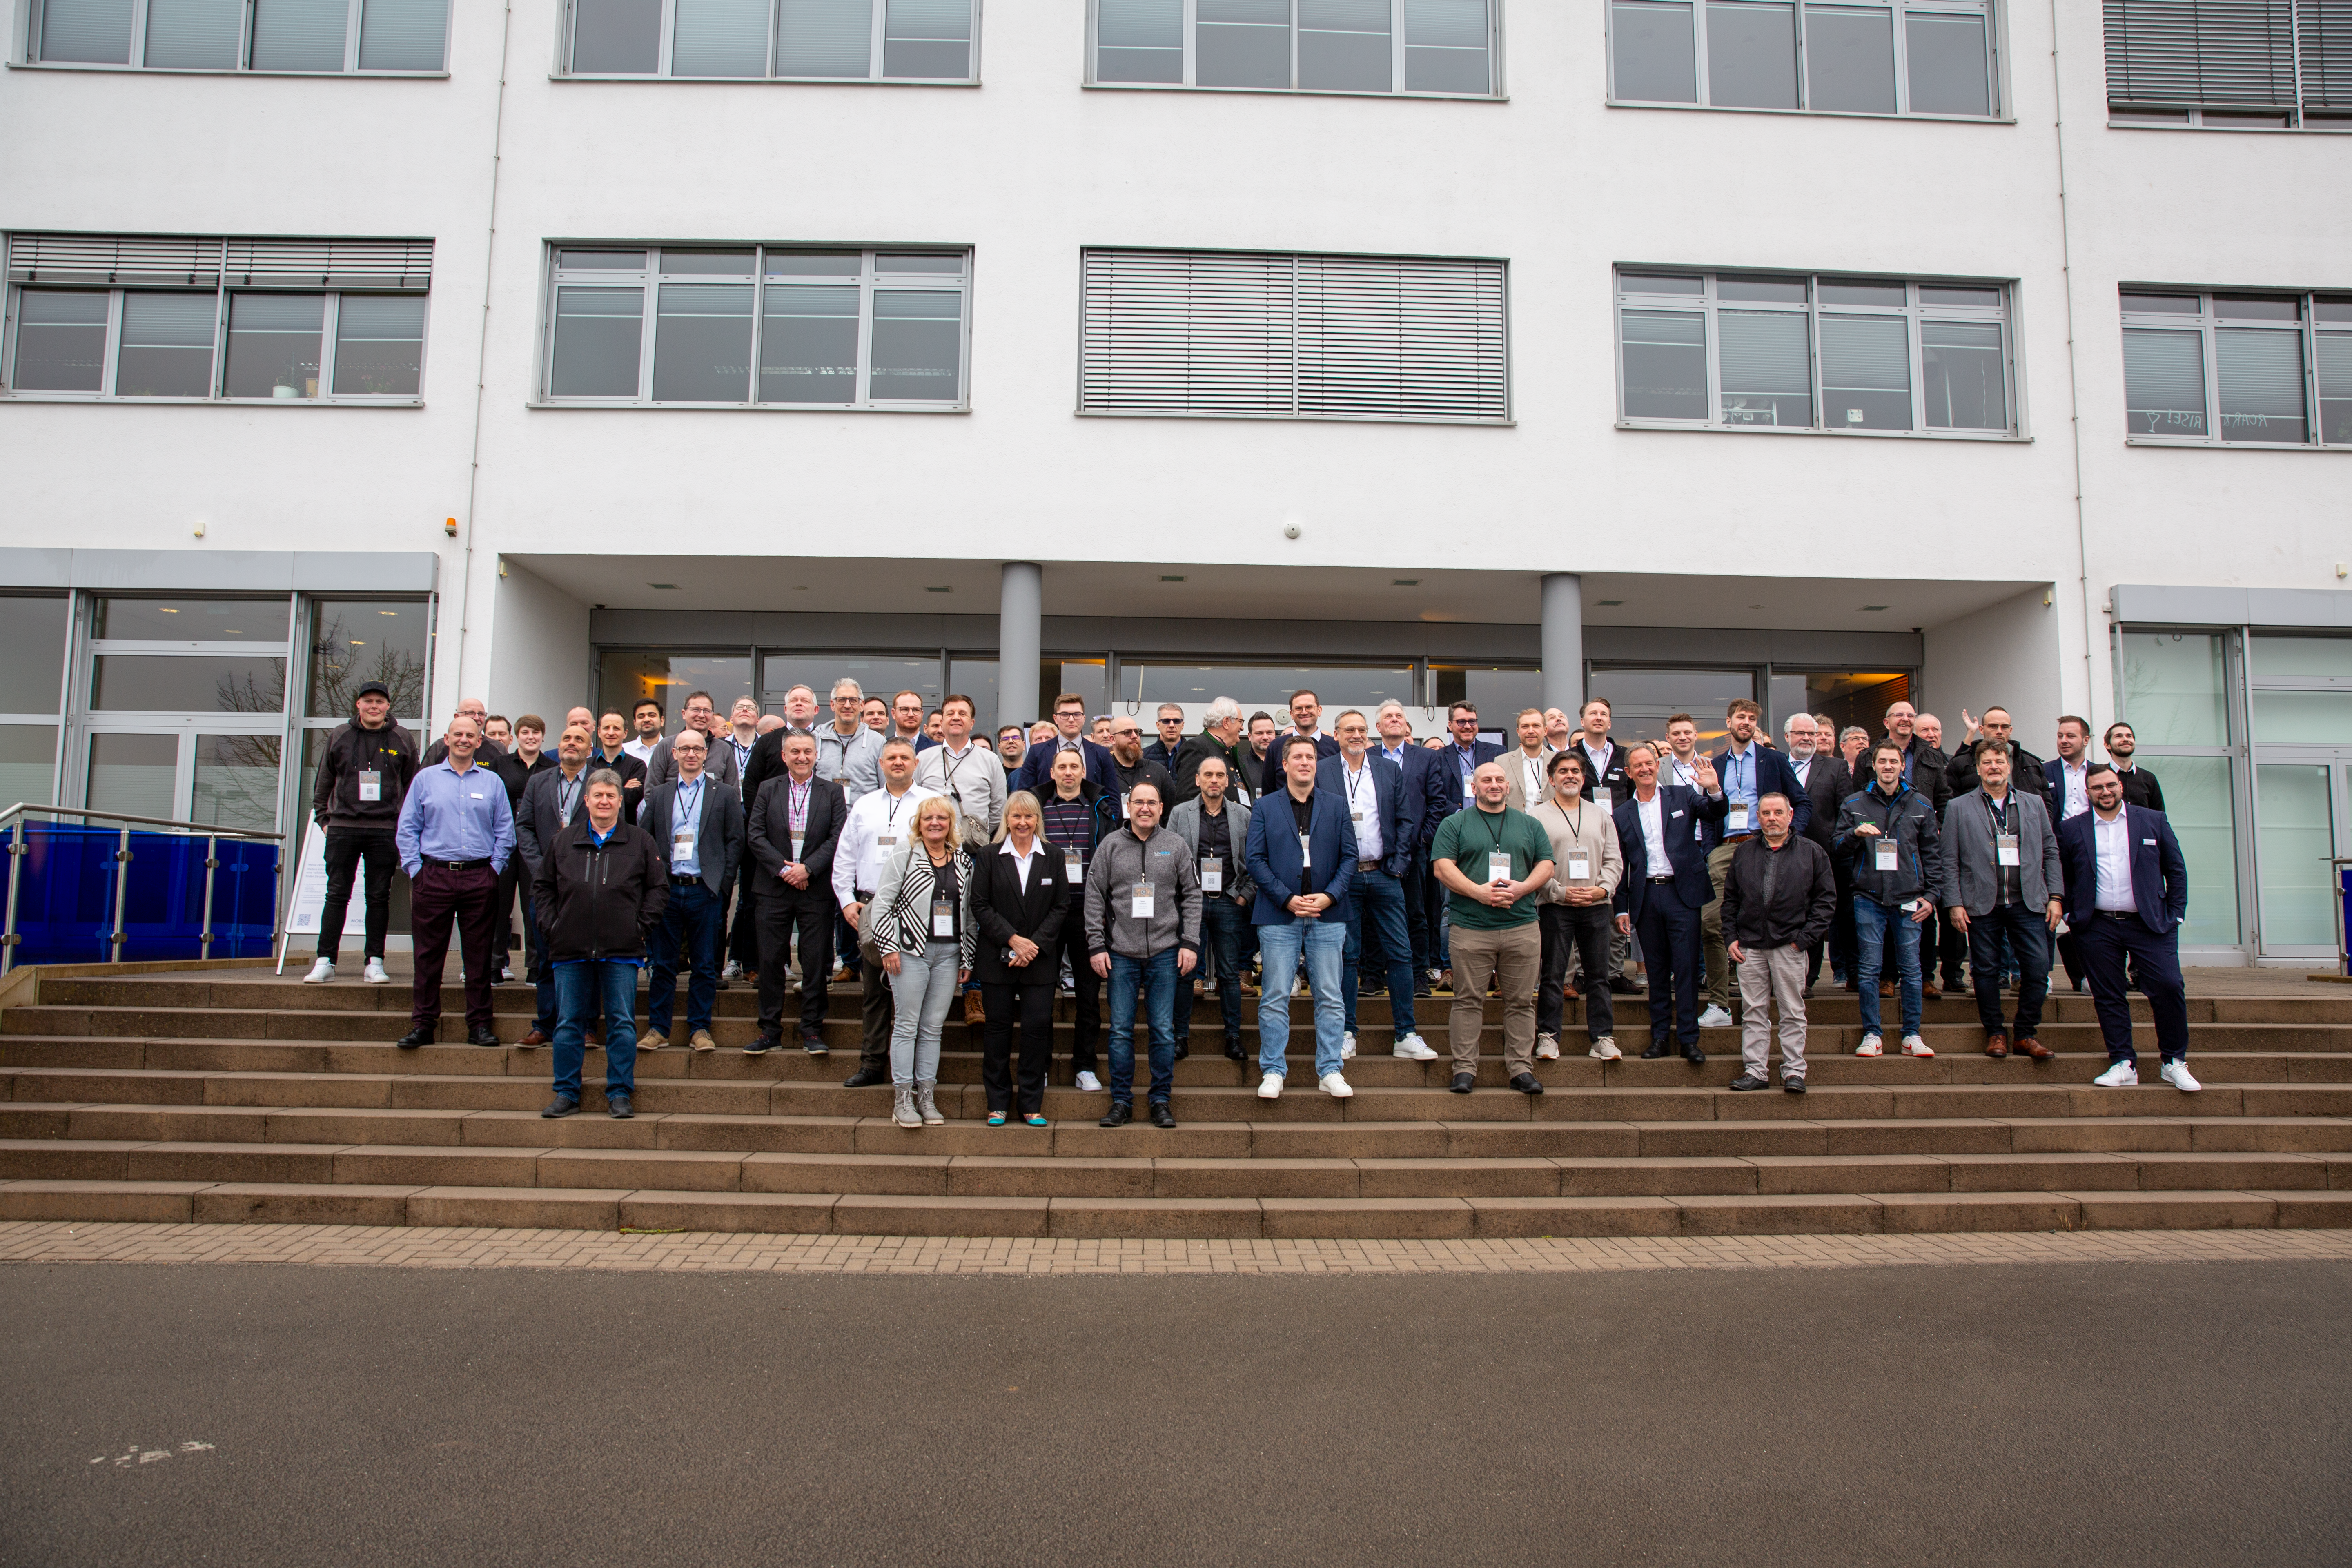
x=2337, y=761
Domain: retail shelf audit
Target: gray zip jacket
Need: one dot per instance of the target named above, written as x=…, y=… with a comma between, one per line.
x=1971, y=875
x=1120, y=862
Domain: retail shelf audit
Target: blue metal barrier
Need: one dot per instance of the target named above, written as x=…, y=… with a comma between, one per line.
x=84, y=894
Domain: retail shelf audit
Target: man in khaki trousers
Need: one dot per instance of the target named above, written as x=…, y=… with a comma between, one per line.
x=1778, y=896
x=1494, y=862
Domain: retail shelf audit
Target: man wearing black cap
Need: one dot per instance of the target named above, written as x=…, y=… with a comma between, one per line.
x=362, y=777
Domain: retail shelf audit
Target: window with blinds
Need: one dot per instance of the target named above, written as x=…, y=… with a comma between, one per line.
x=177, y=316
x=1446, y=47
x=1251, y=334
x=796, y=40
x=1814, y=351
x=1855, y=56
x=2252, y=369
x=323, y=36
x=2230, y=64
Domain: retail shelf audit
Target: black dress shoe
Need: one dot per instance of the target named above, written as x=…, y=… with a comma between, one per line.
x=1748, y=1080
x=1421, y=988
x=866, y=1077
x=1235, y=1054
x=618, y=1107
x=1527, y=1083
x=1184, y=1049
x=1121, y=1113
x=1657, y=1048
x=1463, y=1082
x=1162, y=1117
x=420, y=1035
x=813, y=1041
x=761, y=1045
x=1694, y=1056
x=561, y=1105
x=1623, y=986
x=1794, y=1084
x=480, y=1038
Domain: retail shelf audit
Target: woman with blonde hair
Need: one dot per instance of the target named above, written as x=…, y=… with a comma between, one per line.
x=923, y=929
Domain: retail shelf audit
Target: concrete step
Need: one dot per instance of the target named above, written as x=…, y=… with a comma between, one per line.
x=890, y=1214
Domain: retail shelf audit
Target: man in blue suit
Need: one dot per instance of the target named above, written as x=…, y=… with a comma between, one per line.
x=1386, y=822
x=1664, y=888
x=2127, y=891
x=2066, y=789
x=1036, y=772
x=1302, y=856
x=1448, y=791
x=1748, y=770
x=1416, y=762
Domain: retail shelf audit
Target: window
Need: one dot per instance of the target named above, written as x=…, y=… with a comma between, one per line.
x=797, y=40
x=2238, y=65
x=1856, y=56
x=32, y=693
x=1443, y=46
x=1242, y=335
x=1746, y=351
x=763, y=326
x=2254, y=368
x=138, y=315
x=327, y=37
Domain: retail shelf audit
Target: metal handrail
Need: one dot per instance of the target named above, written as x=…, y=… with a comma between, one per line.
x=14, y=818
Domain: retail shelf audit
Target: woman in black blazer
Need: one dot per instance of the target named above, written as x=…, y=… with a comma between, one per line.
x=1020, y=897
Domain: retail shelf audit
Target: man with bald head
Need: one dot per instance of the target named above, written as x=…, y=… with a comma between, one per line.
x=486, y=750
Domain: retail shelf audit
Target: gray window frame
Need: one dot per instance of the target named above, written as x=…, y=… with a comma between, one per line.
x=869, y=280
x=566, y=26
x=2182, y=114
x=1994, y=13
x=2204, y=322
x=137, y=62
x=1912, y=312
x=1496, y=90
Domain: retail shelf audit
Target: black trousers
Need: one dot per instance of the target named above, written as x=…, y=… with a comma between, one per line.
x=1670, y=946
x=442, y=899
x=1567, y=929
x=743, y=930
x=1032, y=1006
x=348, y=851
x=502, y=939
x=781, y=912
x=1072, y=944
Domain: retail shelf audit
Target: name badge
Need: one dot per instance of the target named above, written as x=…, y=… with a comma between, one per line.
x=1580, y=865
x=1139, y=901
x=1499, y=866
x=2150, y=842
x=1213, y=874
x=1601, y=797
x=370, y=784
x=1305, y=856
x=681, y=845
x=477, y=794
x=1357, y=817
x=2004, y=848
x=886, y=841
x=1074, y=866
x=1882, y=854
x=1122, y=805
x=1467, y=793
x=1736, y=820
x=942, y=918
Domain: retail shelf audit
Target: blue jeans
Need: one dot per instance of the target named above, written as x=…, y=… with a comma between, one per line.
x=1155, y=977
x=1378, y=899
x=1322, y=945
x=582, y=988
x=1221, y=925
x=692, y=923
x=1873, y=923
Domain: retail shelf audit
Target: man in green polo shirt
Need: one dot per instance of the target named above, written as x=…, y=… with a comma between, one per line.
x=1493, y=862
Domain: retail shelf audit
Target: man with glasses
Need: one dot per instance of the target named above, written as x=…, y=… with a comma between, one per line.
x=1170, y=741
x=1450, y=789
x=2127, y=892
x=1037, y=772
x=1128, y=766
x=1386, y=821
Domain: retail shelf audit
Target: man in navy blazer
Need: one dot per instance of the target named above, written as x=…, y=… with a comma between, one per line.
x=1663, y=901
x=2127, y=891
x=1418, y=764
x=1306, y=721
x=2065, y=785
x=1750, y=770
x=1302, y=856
x=1036, y=772
x=1386, y=821
x=1447, y=792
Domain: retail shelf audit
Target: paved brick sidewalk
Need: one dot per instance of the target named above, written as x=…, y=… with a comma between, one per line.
x=28, y=1241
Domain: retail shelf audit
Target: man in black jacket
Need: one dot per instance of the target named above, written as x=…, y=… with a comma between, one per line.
x=550, y=801
x=1887, y=835
x=695, y=820
x=362, y=776
x=2140, y=787
x=1926, y=769
x=1826, y=782
x=1778, y=897
x=795, y=824
x=612, y=734
x=599, y=893
x=1129, y=766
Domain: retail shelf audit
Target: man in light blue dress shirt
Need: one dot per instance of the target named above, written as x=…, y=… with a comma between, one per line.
x=456, y=832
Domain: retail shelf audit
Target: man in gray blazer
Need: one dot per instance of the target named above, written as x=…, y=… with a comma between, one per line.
x=696, y=823
x=1214, y=814
x=2001, y=874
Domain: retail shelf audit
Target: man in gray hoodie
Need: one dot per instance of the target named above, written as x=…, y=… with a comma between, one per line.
x=1143, y=933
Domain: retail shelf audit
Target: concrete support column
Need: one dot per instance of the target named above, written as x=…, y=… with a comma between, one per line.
x=1020, y=641
x=1563, y=641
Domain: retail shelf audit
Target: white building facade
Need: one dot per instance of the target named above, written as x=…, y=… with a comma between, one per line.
x=1972, y=351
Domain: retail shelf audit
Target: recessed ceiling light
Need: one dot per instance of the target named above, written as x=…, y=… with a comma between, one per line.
x=387, y=612
x=928, y=589
x=666, y=587
x=167, y=609
x=1608, y=600
x=1404, y=582
x=1171, y=576
x=1873, y=606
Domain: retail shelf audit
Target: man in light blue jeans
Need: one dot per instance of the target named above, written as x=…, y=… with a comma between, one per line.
x=1320, y=945
x=1302, y=856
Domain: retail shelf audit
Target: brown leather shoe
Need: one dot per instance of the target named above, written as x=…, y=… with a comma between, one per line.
x=1887, y=988
x=975, y=1011
x=531, y=1039
x=1853, y=985
x=2030, y=1046
x=1931, y=991
x=1997, y=1044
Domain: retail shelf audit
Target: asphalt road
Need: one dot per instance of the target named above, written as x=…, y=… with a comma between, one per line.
x=2045, y=1414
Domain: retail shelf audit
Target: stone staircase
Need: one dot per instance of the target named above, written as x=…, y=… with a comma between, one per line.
x=232, y=1096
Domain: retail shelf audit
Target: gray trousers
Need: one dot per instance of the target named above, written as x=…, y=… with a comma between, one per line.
x=877, y=1010
x=1772, y=974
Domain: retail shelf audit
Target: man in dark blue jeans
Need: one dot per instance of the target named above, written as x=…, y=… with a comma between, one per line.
x=1143, y=933
x=1215, y=828
x=599, y=892
x=1387, y=821
x=697, y=823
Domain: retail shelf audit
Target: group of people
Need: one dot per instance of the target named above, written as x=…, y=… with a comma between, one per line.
x=1361, y=860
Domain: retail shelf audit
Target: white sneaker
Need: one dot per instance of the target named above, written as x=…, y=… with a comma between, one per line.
x=1335, y=1086
x=2123, y=1075
x=1714, y=1019
x=1913, y=1045
x=734, y=971
x=1269, y=1085
x=1872, y=1046
x=1412, y=1047
x=1347, y=1046
x=2177, y=1075
x=1089, y=1084
x=373, y=973
x=1605, y=1049
x=323, y=970
x=1547, y=1047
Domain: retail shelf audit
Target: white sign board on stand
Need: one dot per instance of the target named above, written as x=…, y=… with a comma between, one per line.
x=302, y=916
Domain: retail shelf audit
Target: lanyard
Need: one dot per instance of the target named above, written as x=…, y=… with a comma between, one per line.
x=895, y=802
x=567, y=797
x=1496, y=827
x=796, y=804
x=2000, y=813
x=1576, y=823
x=1351, y=779
x=688, y=804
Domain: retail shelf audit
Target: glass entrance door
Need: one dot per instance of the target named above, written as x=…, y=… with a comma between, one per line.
x=2303, y=815
x=186, y=775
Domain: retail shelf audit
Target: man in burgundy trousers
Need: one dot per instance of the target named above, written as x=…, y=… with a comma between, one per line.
x=455, y=835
